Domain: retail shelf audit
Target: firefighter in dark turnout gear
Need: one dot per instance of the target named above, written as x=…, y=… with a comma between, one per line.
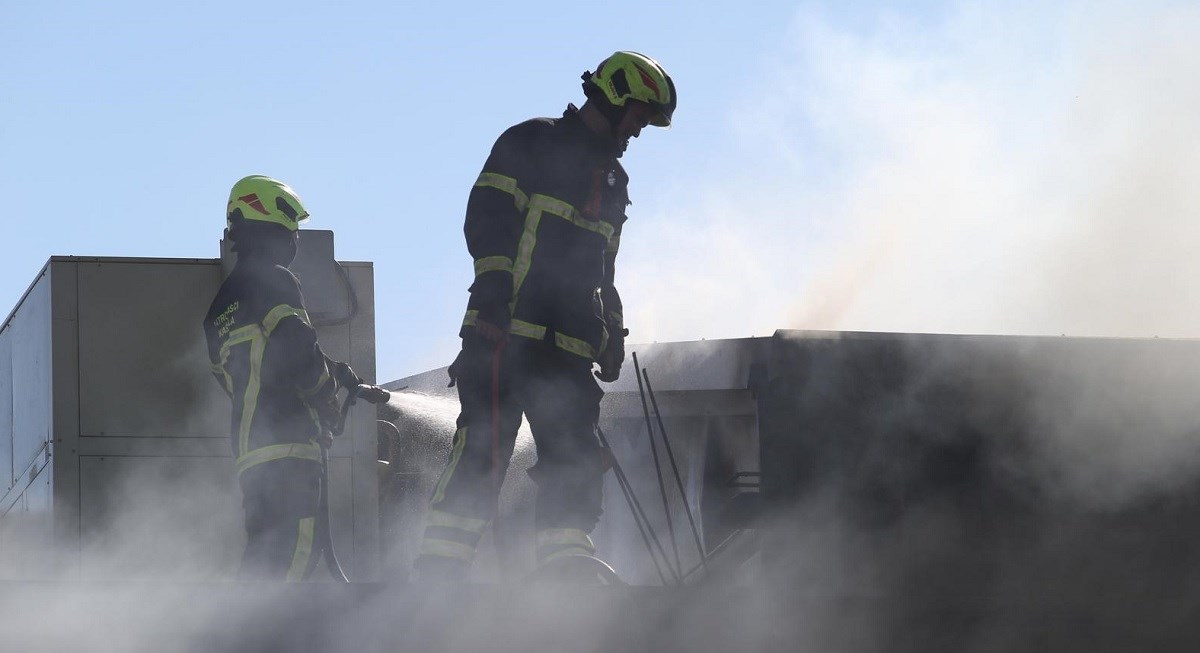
x=264, y=353
x=543, y=224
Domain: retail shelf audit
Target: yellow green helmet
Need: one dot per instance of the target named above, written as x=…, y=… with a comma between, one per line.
x=264, y=199
x=631, y=76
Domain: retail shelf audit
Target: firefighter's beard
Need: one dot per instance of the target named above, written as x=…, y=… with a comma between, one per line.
x=622, y=143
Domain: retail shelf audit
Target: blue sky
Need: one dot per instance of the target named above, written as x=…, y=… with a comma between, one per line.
x=832, y=165
x=123, y=124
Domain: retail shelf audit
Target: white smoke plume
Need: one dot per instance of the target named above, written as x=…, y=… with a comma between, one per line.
x=1011, y=168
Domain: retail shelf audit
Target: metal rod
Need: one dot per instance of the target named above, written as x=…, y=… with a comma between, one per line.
x=717, y=550
x=639, y=515
x=662, y=487
x=675, y=470
x=628, y=492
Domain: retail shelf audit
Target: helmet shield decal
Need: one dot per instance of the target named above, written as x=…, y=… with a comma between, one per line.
x=262, y=199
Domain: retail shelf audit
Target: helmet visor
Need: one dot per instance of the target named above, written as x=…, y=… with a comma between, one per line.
x=665, y=110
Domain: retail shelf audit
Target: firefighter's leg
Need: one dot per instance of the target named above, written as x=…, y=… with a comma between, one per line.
x=280, y=499
x=464, y=499
x=562, y=401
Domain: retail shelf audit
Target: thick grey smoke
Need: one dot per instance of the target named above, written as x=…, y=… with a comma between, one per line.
x=990, y=492
x=978, y=170
x=1011, y=169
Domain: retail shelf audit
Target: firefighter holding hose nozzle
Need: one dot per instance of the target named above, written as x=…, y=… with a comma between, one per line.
x=543, y=225
x=264, y=353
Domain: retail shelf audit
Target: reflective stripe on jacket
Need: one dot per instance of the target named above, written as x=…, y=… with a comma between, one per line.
x=264, y=353
x=543, y=226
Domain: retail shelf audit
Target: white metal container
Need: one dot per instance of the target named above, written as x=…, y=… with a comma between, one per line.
x=115, y=459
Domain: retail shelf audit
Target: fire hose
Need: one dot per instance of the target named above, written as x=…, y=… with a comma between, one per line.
x=372, y=394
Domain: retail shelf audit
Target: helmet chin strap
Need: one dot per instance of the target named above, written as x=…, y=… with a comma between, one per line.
x=614, y=119
x=611, y=112
x=614, y=114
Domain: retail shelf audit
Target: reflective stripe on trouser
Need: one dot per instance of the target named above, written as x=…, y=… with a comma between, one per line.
x=451, y=536
x=303, y=552
x=561, y=399
x=464, y=499
x=280, y=499
x=303, y=451
x=557, y=542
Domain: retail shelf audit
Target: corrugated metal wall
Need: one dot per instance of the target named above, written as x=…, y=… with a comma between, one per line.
x=26, y=517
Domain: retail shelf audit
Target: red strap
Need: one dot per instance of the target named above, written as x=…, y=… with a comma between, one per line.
x=591, y=210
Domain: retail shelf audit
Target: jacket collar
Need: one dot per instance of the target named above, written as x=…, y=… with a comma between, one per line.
x=601, y=146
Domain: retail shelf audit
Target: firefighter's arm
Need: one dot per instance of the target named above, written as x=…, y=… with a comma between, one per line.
x=307, y=367
x=613, y=354
x=293, y=339
x=494, y=222
x=613, y=309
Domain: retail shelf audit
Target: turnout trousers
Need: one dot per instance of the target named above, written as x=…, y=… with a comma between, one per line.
x=556, y=391
x=280, y=499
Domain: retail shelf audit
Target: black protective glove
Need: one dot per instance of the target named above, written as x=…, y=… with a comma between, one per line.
x=490, y=295
x=496, y=314
x=343, y=374
x=613, y=357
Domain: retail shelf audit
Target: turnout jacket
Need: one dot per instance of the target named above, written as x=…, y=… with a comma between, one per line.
x=543, y=225
x=264, y=353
